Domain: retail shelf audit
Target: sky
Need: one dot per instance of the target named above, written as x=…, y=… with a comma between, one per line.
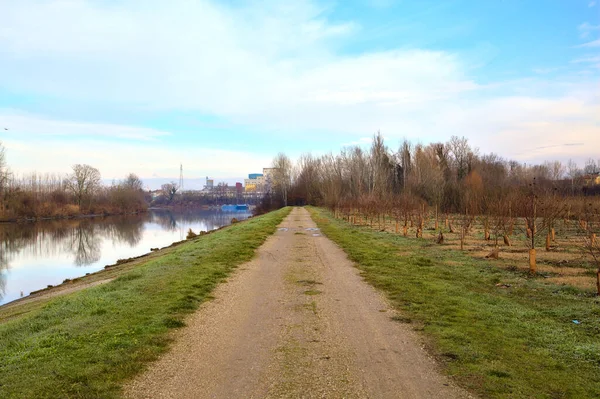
x=221, y=87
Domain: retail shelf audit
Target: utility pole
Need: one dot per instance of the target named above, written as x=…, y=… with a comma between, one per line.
x=181, y=178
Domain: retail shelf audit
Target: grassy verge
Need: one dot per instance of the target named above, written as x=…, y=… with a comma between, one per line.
x=86, y=344
x=500, y=334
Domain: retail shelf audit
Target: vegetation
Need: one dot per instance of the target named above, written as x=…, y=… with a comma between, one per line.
x=86, y=344
x=455, y=188
x=80, y=192
x=498, y=332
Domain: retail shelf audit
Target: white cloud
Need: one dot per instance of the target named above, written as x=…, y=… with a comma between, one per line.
x=34, y=126
x=592, y=60
x=116, y=160
x=593, y=43
x=591, y=4
x=219, y=60
x=271, y=65
x=585, y=29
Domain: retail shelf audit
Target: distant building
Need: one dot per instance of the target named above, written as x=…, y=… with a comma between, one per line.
x=210, y=184
x=254, y=183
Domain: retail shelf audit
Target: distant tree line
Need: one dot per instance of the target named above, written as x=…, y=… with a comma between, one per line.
x=79, y=192
x=447, y=175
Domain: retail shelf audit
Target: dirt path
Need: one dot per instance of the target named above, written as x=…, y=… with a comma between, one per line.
x=296, y=322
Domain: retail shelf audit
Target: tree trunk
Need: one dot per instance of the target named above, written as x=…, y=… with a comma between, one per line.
x=548, y=237
x=396, y=227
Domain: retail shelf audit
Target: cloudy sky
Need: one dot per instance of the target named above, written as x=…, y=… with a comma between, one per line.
x=222, y=86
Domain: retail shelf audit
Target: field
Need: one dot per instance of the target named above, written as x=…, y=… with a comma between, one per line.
x=567, y=262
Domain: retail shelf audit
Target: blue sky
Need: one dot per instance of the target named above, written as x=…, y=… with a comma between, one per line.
x=142, y=85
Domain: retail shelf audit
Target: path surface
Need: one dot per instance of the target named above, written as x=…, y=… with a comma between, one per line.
x=296, y=322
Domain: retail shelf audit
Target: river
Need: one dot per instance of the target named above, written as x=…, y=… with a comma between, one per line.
x=35, y=255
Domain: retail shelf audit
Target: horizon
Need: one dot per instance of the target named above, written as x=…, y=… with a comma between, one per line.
x=222, y=87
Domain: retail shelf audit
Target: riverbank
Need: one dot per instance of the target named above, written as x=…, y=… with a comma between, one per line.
x=86, y=343
x=498, y=333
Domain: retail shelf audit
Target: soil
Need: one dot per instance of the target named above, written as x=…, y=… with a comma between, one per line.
x=298, y=321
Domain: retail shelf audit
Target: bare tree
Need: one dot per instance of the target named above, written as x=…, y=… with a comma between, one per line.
x=589, y=227
x=557, y=170
x=282, y=176
x=132, y=182
x=573, y=172
x=591, y=167
x=83, y=182
x=459, y=147
x=169, y=190
x=3, y=175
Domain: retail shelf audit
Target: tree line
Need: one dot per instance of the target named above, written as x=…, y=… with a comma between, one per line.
x=451, y=176
x=79, y=192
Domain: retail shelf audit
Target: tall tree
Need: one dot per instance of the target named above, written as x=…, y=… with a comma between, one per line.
x=169, y=190
x=282, y=176
x=83, y=182
x=132, y=182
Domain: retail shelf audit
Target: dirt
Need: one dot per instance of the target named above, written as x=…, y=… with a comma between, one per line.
x=297, y=321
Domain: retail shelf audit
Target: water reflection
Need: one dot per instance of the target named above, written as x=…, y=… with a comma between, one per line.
x=31, y=253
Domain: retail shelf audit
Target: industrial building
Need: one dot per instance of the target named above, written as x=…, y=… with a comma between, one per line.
x=254, y=183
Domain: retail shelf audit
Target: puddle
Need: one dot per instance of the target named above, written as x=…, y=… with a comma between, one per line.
x=312, y=229
x=283, y=229
x=316, y=235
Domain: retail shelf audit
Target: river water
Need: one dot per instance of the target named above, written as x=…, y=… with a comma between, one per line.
x=35, y=255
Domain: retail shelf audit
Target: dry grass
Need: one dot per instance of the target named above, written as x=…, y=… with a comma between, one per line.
x=566, y=263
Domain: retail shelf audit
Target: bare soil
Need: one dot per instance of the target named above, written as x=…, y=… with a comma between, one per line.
x=296, y=322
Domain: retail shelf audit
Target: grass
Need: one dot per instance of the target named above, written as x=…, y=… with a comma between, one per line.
x=87, y=344
x=498, y=342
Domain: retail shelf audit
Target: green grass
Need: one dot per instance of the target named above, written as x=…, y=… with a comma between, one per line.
x=86, y=344
x=517, y=342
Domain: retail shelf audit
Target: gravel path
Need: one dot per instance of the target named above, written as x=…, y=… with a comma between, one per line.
x=296, y=322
